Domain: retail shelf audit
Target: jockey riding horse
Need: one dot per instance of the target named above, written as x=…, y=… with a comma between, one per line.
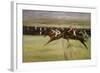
x=56, y=32
x=68, y=34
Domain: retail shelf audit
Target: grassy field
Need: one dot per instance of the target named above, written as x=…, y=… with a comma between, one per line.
x=35, y=51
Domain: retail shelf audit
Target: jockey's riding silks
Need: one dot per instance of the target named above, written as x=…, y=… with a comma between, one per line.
x=56, y=31
x=73, y=30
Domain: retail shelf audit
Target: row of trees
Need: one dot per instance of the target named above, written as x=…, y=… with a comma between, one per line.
x=32, y=30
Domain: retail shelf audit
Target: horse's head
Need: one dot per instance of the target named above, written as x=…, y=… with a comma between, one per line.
x=48, y=32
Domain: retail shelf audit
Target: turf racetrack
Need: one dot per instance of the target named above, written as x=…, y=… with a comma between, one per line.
x=35, y=51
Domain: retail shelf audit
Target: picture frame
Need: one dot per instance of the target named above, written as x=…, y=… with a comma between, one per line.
x=17, y=63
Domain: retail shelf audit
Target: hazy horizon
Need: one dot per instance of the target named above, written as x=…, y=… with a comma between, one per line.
x=55, y=17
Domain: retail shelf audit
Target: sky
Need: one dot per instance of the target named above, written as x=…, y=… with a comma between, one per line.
x=36, y=14
x=57, y=18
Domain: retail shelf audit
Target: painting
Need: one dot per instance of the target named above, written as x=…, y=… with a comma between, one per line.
x=56, y=35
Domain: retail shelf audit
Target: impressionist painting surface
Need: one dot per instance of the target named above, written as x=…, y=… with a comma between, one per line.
x=56, y=36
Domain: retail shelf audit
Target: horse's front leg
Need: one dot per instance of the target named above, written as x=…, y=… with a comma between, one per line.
x=84, y=44
x=51, y=39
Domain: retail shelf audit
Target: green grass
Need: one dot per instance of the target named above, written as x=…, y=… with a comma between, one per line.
x=35, y=51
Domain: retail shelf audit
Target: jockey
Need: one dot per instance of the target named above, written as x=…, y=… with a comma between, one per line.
x=84, y=34
x=56, y=31
x=72, y=29
x=53, y=30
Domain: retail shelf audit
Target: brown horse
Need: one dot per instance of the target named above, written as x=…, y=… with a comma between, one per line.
x=65, y=35
x=51, y=35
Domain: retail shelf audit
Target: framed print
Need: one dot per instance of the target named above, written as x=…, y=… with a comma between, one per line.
x=52, y=36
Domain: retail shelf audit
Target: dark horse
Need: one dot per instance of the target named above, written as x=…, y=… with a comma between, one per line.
x=49, y=33
x=65, y=35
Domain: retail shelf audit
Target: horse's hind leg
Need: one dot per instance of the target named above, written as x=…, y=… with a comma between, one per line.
x=84, y=44
x=68, y=43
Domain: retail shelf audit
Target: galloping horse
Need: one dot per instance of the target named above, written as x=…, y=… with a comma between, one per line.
x=49, y=33
x=79, y=36
x=65, y=35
